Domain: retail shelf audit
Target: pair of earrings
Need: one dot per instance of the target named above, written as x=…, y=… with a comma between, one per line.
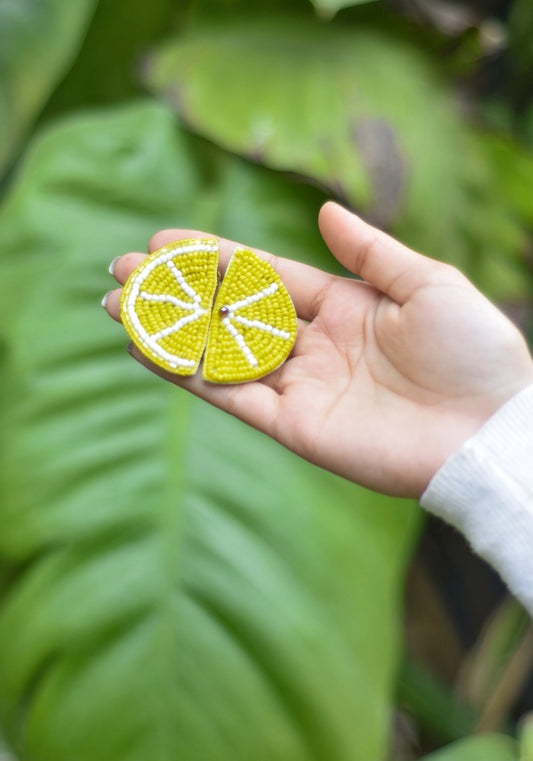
x=173, y=312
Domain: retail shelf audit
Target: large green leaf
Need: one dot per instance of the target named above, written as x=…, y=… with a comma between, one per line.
x=38, y=39
x=480, y=748
x=360, y=109
x=175, y=585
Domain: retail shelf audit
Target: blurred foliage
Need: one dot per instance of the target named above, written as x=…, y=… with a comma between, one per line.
x=493, y=675
x=106, y=70
x=134, y=567
x=483, y=748
x=174, y=585
x=526, y=739
x=347, y=106
x=37, y=43
x=328, y=8
x=521, y=41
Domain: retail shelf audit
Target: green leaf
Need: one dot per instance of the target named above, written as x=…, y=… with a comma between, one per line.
x=521, y=37
x=526, y=739
x=437, y=710
x=118, y=37
x=483, y=672
x=175, y=585
x=288, y=123
x=360, y=109
x=5, y=754
x=497, y=231
x=480, y=748
x=328, y=8
x=38, y=40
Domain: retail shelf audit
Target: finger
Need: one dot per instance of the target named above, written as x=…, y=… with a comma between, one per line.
x=307, y=285
x=254, y=403
x=375, y=256
x=122, y=267
x=111, y=303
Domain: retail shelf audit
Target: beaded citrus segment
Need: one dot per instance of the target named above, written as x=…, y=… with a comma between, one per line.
x=253, y=323
x=166, y=304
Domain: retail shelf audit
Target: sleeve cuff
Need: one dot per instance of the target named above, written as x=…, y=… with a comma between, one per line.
x=485, y=489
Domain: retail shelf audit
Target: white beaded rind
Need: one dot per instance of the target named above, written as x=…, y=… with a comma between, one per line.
x=150, y=341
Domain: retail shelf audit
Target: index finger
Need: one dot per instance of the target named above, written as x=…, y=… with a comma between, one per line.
x=307, y=285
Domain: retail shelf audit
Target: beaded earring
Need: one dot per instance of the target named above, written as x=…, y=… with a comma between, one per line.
x=167, y=309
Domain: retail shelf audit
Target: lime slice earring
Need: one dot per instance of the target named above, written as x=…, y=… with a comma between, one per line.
x=171, y=311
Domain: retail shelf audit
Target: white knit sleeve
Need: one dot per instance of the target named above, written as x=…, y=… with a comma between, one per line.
x=485, y=489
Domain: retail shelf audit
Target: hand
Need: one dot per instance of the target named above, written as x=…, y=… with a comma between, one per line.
x=389, y=375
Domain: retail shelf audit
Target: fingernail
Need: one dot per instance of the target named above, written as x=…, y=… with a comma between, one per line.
x=104, y=300
x=129, y=348
x=111, y=268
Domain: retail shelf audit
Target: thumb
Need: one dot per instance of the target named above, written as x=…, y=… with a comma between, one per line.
x=375, y=256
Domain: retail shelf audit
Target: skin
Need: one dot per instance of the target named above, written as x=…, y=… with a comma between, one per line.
x=389, y=375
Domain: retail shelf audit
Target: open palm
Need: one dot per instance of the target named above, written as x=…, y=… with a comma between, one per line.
x=389, y=374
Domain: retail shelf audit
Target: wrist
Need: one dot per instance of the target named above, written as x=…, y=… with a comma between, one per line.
x=502, y=425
